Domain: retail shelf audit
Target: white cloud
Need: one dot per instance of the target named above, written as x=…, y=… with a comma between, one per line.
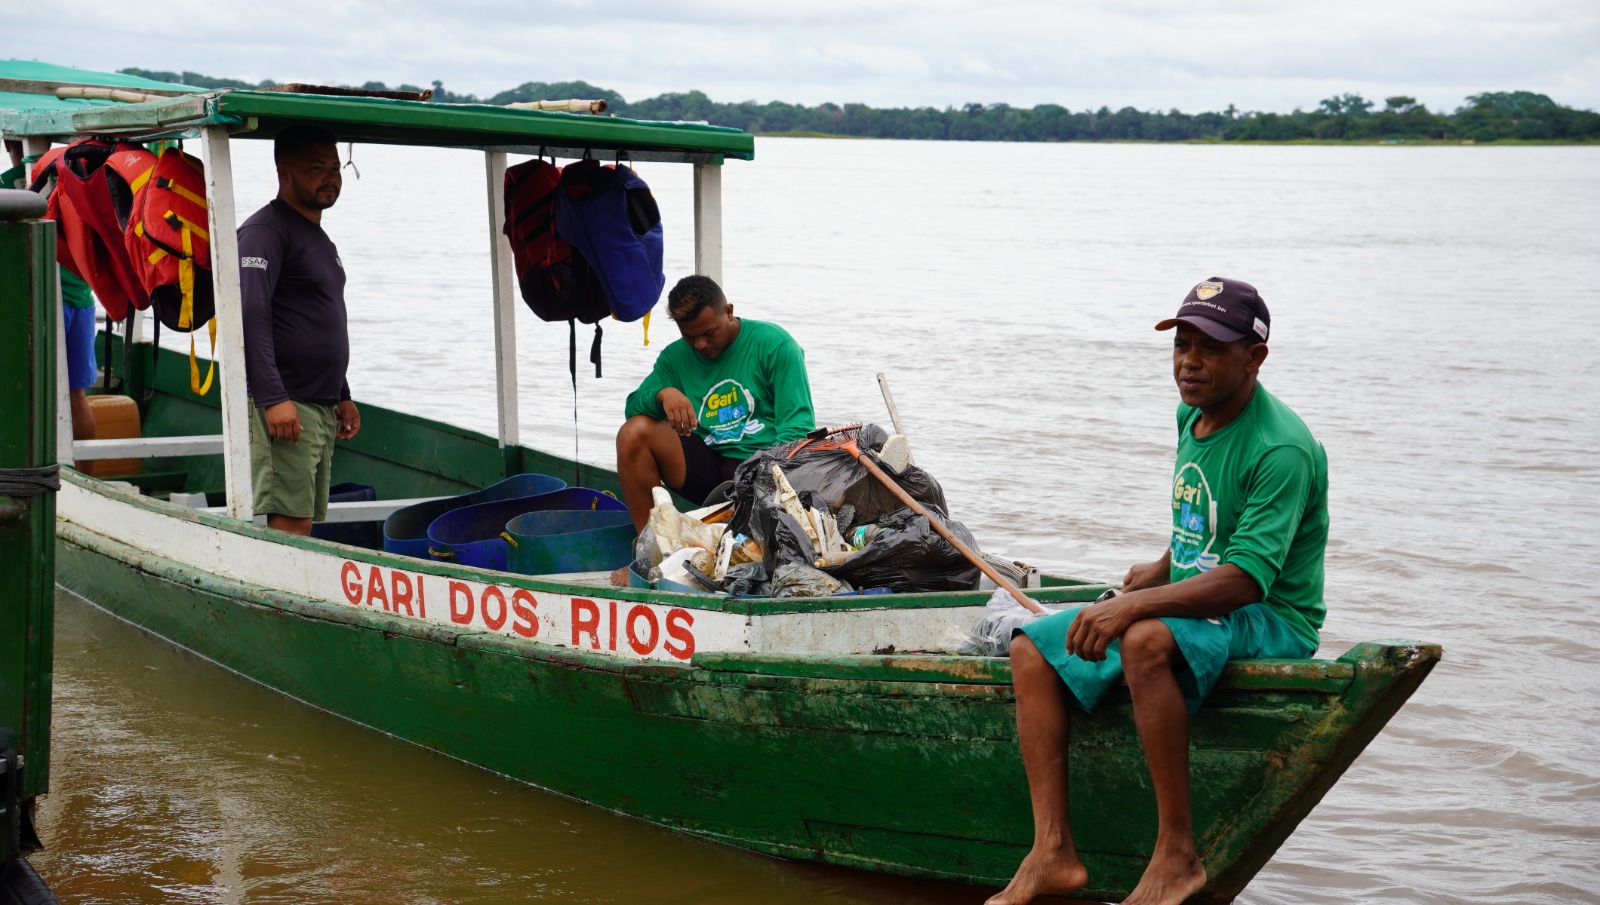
x=1194, y=55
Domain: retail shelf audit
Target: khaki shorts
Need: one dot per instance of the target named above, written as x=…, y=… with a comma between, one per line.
x=291, y=479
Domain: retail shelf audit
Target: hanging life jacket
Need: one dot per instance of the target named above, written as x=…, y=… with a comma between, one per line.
x=556, y=282
x=167, y=237
x=93, y=197
x=610, y=217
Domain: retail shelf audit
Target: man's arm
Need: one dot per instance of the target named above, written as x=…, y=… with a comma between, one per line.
x=261, y=251
x=1149, y=575
x=792, y=414
x=1221, y=590
x=645, y=400
x=1255, y=552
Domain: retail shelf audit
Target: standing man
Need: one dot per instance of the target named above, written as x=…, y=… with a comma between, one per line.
x=296, y=341
x=1242, y=577
x=728, y=388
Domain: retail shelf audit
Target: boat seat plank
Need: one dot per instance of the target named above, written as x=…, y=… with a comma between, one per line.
x=147, y=447
x=356, y=511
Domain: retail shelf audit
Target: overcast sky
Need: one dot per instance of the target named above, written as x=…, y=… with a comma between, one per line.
x=1152, y=54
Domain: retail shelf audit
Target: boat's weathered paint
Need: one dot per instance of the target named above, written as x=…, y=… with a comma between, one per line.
x=903, y=764
x=27, y=522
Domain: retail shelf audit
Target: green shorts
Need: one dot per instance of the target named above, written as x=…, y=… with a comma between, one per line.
x=1206, y=644
x=291, y=479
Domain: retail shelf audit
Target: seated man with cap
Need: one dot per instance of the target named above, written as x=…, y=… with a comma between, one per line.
x=1242, y=577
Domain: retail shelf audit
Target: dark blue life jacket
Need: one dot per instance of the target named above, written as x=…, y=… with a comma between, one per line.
x=610, y=217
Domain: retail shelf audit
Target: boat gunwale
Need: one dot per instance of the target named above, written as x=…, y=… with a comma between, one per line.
x=894, y=671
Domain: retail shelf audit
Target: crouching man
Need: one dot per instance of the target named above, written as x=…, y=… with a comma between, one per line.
x=1242, y=578
x=730, y=387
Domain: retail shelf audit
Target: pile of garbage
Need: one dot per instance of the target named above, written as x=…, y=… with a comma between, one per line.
x=806, y=519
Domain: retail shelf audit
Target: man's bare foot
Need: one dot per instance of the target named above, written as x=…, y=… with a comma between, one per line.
x=1040, y=875
x=1168, y=881
x=619, y=577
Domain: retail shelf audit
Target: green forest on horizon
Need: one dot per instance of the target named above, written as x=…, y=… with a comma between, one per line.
x=1493, y=116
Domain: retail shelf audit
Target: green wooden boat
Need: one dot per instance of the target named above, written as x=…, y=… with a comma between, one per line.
x=836, y=730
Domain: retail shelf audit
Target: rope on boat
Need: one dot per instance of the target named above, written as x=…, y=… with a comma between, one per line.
x=21, y=483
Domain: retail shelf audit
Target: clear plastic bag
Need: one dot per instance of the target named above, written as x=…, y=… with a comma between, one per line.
x=1002, y=616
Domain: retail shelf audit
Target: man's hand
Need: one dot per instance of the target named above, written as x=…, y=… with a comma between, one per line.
x=680, y=411
x=348, y=419
x=283, y=421
x=1095, y=627
x=1148, y=575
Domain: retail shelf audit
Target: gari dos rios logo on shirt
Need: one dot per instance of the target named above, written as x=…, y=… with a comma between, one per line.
x=727, y=412
x=1194, y=520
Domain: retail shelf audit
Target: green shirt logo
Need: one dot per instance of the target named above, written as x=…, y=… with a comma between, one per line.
x=728, y=413
x=1194, y=520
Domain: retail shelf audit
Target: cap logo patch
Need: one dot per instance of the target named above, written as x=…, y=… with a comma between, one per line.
x=1261, y=329
x=1207, y=290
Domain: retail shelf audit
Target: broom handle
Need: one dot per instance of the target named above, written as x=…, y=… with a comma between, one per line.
x=939, y=526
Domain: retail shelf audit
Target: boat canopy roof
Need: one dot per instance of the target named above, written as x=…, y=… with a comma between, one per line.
x=29, y=107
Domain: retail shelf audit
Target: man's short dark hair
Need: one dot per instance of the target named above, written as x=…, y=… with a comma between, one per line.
x=692, y=295
x=297, y=138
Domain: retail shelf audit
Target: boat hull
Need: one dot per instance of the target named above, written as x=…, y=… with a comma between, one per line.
x=901, y=764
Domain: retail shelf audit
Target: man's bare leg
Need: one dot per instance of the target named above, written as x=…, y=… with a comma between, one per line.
x=1043, y=729
x=292, y=525
x=1149, y=656
x=648, y=452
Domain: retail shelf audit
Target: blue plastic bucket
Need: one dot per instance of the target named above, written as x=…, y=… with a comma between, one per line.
x=569, y=540
x=405, y=531
x=474, y=535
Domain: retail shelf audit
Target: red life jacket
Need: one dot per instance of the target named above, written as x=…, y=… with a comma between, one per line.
x=556, y=282
x=168, y=239
x=95, y=183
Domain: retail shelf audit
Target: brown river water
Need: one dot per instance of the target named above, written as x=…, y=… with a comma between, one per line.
x=1434, y=322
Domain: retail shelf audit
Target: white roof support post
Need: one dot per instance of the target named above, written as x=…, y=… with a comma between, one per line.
x=505, y=302
x=708, y=221
x=215, y=154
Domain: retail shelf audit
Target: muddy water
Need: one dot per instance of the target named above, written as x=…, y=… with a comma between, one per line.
x=1434, y=321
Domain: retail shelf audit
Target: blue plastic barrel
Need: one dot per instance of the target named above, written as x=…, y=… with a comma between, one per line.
x=405, y=531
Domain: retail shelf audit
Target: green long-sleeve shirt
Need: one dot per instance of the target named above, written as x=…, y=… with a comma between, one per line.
x=752, y=396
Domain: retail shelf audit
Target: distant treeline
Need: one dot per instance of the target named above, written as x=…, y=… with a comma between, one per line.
x=1491, y=116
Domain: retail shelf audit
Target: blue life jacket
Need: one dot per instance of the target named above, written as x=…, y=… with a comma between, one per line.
x=610, y=217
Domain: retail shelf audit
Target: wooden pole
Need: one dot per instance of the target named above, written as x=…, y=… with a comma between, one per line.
x=972, y=555
x=505, y=306
x=218, y=160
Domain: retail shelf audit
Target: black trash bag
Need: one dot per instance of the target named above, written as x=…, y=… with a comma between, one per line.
x=822, y=473
x=906, y=554
x=800, y=580
x=749, y=578
x=787, y=542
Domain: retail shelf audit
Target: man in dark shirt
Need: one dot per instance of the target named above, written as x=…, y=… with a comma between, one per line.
x=296, y=339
